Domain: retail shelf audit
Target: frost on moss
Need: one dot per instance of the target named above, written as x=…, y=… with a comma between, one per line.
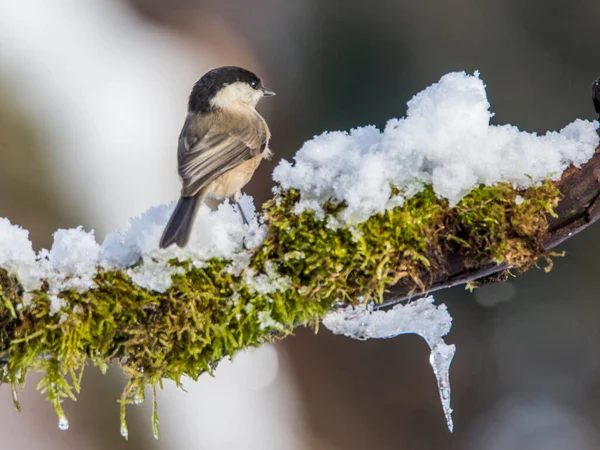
x=305, y=267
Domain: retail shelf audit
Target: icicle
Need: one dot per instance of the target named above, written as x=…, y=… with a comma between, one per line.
x=440, y=360
x=420, y=317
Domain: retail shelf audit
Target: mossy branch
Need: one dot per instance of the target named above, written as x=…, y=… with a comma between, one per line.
x=578, y=208
x=304, y=269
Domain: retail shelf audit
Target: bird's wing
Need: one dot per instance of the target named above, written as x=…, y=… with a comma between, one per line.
x=204, y=155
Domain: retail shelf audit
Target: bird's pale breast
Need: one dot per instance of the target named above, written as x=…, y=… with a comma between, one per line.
x=230, y=183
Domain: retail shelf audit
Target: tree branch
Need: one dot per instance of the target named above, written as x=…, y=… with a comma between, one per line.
x=578, y=208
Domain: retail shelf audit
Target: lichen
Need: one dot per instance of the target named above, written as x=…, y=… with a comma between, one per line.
x=211, y=313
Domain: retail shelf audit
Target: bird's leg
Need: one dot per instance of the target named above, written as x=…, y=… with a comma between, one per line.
x=236, y=199
x=242, y=213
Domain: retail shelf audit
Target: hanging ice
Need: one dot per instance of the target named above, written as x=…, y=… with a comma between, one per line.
x=420, y=317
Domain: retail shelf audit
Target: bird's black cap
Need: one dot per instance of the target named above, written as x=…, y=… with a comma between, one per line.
x=211, y=82
x=596, y=95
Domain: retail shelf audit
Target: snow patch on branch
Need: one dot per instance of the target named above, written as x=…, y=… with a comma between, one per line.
x=75, y=256
x=216, y=234
x=16, y=253
x=445, y=140
x=420, y=317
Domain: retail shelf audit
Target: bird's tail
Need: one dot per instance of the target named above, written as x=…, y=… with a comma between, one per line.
x=181, y=222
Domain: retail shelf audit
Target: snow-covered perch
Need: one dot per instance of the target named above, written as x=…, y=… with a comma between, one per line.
x=436, y=198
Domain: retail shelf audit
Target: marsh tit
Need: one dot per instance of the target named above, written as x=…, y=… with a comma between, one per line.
x=222, y=142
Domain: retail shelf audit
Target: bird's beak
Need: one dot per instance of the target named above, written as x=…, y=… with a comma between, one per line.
x=268, y=92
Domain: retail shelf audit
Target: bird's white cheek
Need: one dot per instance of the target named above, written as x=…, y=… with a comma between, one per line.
x=236, y=94
x=256, y=96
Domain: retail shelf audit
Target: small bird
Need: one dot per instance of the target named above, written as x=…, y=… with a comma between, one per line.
x=221, y=144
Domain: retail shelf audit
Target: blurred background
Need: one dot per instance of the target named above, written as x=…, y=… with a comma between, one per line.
x=92, y=97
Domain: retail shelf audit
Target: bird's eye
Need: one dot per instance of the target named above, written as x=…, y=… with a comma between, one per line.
x=254, y=84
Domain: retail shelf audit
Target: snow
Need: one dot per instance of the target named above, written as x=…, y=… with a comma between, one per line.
x=268, y=282
x=266, y=321
x=219, y=233
x=16, y=252
x=420, y=317
x=56, y=304
x=71, y=263
x=216, y=234
x=445, y=140
x=75, y=256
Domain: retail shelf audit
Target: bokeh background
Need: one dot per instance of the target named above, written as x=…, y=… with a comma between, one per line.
x=92, y=97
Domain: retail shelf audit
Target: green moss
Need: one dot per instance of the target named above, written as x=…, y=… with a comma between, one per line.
x=210, y=313
x=495, y=225
x=348, y=263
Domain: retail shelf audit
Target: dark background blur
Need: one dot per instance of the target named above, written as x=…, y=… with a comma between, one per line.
x=526, y=374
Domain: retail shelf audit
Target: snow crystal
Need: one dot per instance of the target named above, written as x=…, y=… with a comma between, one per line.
x=268, y=282
x=445, y=140
x=72, y=261
x=56, y=304
x=16, y=253
x=153, y=274
x=266, y=321
x=420, y=317
x=294, y=255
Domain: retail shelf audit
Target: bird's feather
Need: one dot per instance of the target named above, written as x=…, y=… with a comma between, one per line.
x=210, y=148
